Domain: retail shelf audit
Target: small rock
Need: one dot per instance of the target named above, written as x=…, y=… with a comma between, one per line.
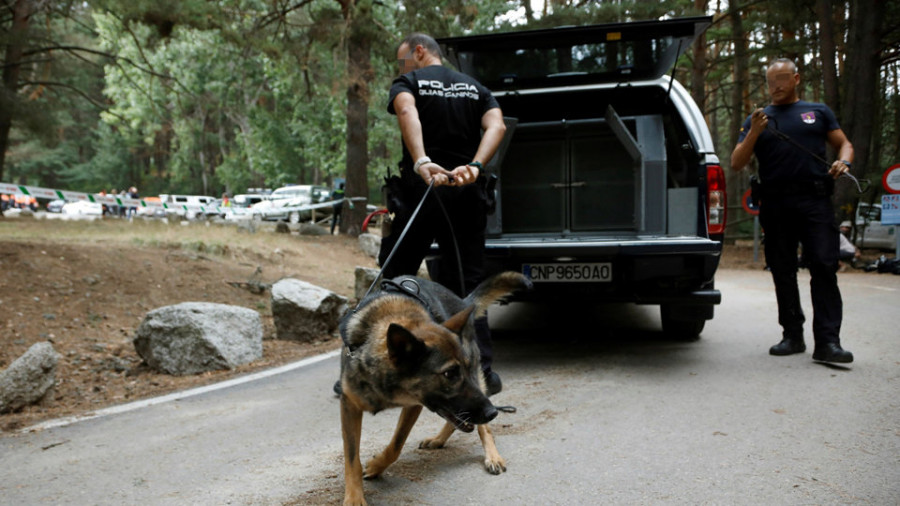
x=28, y=379
x=370, y=244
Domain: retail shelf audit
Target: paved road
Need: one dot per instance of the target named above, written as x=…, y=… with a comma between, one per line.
x=613, y=414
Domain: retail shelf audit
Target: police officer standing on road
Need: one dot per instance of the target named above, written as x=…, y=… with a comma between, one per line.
x=796, y=208
x=441, y=114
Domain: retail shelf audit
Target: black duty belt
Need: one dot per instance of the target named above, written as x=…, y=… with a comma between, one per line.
x=817, y=188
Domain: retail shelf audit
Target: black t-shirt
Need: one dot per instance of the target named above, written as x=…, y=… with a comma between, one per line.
x=450, y=106
x=808, y=124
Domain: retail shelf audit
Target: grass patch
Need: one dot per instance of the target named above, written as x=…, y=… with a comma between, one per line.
x=204, y=238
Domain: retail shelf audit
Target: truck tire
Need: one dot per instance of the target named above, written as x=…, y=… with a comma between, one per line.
x=676, y=326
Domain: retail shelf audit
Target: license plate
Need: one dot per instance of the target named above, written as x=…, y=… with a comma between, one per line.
x=569, y=272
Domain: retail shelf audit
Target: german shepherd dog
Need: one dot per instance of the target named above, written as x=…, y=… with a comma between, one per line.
x=413, y=345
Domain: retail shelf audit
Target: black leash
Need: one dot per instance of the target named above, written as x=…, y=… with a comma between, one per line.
x=409, y=223
x=772, y=127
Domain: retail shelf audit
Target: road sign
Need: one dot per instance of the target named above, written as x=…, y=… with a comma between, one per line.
x=890, y=209
x=747, y=202
x=891, y=179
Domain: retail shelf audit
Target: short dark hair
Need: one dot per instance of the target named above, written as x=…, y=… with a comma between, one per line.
x=787, y=61
x=414, y=39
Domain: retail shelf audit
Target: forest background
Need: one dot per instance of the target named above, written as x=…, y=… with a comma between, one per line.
x=207, y=97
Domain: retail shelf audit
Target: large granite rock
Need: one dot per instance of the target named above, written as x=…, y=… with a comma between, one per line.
x=195, y=337
x=305, y=312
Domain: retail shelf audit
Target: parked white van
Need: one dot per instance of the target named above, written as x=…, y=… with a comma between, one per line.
x=187, y=206
x=870, y=232
x=282, y=203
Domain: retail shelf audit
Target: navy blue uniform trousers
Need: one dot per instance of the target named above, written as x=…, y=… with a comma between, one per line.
x=807, y=220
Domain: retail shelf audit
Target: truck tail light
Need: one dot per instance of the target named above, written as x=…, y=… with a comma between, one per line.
x=715, y=200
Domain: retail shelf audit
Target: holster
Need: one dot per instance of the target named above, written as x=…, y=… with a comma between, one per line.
x=393, y=193
x=818, y=188
x=490, y=196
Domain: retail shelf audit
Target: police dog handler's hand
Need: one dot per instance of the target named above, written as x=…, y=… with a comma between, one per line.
x=432, y=171
x=464, y=174
x=758, y=121
x=838, y=168
x=460, y=176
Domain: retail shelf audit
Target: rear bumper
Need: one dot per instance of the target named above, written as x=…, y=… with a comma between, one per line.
x=672, y=271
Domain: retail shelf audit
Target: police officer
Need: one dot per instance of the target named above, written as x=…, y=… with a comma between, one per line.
x=441, y=114
x=796, y=208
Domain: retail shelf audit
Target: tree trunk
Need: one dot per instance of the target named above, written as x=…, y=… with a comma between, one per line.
x=861, y=99
x=359, y=75
x=16, y=38
x=735, y=182
x=698, y=71
x=829, y=50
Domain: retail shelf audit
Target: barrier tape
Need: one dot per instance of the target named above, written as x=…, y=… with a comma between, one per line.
x=122, y=201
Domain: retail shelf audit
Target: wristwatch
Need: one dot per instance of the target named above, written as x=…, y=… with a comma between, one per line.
x=845, y=162
x=476, y=164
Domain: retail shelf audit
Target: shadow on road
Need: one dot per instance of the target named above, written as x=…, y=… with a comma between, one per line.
x=542, y=332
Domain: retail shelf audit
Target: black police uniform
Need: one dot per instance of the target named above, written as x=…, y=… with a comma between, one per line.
x=450, y=106
x=796, y=208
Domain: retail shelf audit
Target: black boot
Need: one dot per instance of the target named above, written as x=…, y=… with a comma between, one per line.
x=492, y=383
x=788, y=346
x=832, y=352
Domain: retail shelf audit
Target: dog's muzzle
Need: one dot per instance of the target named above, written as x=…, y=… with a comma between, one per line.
x=466, y=422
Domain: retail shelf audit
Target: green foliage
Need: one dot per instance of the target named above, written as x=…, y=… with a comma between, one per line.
x=192, y=96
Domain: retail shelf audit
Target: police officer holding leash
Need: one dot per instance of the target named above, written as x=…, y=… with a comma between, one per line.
x=787, y=137
x=441, y=114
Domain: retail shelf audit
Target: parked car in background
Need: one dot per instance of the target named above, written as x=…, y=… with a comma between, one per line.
x=151, y=211
x=187, y=206
x=55, y=206
x=215, y=209
x=245, y=200
x=240, y=205
x=83, y=208
x=281, y=204
x=870, y=233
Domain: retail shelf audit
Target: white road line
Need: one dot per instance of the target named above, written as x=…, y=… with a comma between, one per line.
x=123, y=408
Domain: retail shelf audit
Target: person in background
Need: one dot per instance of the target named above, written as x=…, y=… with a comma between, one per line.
x=795, y=207
x=337, y=194
x=132, y=209
x=849, y=252
x=113, y=208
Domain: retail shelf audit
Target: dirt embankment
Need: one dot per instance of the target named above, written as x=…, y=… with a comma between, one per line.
x=85, y=287
x=87, y=291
